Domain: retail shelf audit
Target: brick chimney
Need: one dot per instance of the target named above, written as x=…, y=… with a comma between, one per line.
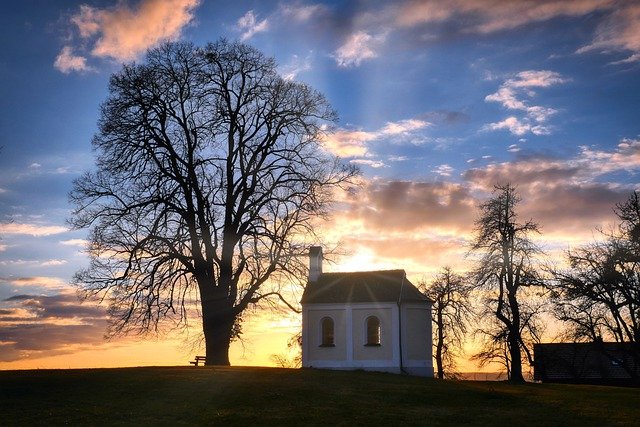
x=315, y=263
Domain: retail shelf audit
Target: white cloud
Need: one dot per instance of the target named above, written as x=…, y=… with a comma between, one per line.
x=443, y=170
x=67, y=62
x=301, y=12
x=295, y=66
x=512, y=124
x=403, y=127
x=515, y=94
x=248, y=25
x=358, y=47
x=368, y=162
x=626, y=157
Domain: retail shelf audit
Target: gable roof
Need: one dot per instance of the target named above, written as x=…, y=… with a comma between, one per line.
x=362, y=286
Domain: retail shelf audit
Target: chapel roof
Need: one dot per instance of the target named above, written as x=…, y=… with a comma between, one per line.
x=362, y=286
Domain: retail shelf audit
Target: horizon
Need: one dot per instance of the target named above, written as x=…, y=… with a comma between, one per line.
x=437, y=103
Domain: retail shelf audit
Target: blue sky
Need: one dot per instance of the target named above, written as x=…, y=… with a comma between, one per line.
x=438, y=101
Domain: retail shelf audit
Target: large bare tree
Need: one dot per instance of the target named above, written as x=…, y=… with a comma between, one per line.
x=451, y=311
x=209, y=175
x=505, y=268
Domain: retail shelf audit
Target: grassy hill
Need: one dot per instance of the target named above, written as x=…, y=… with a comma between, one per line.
x=269, y=396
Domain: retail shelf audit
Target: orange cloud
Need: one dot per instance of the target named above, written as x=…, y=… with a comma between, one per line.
x=123, y=32
x=36, y=281
x=354, y=143
x=31, y=229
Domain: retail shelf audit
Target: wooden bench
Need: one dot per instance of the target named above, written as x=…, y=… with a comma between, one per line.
x=199, y=359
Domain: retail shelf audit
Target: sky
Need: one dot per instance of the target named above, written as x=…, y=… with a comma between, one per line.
x=438, y=102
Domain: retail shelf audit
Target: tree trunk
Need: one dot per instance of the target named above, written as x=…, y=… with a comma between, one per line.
x=440, y=344
x=217, y=336
x=516, y=359
x=514, y=338
x=218, y=318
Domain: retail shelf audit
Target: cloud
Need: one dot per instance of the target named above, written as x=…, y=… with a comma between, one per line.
x=36, y=281
x=355, y=143
x=406, y=206
x=348, y=143
x=443, y=170
x=124, y=32
x=432, y=20
x=565, y=196
x=67, y=62
x=301, y=12
x=620, y=31
x=517, y=127
x=248, y=25
x=295, y=66
x=54, y=262
x=75, y=242
x=489, y=16
x=372, y=163
x=512, y=94
x=403, y=127
x=33, y=326
x=625, y=157
x=358, y=47
x=36, y=230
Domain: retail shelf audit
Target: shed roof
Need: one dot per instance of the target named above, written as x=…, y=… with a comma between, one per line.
x=362, y=286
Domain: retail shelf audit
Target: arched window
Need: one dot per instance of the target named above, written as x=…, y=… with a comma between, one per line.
x=373, y=330
x=326, y=325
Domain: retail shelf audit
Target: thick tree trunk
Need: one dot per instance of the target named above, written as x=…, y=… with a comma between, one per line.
x=217, y=335
x=218, y=318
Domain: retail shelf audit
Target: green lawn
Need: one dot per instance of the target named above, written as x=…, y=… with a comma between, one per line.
x=270, y=396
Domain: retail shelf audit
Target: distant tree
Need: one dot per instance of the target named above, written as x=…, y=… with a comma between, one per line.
x=599, y=294
x=283, y=360
x=209, y=177
x=505, y=268
x=451, y=311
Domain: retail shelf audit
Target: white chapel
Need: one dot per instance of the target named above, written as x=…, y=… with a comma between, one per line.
x=370, y=320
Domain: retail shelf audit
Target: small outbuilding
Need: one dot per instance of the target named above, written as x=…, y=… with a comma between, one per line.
x=606, y=363
x=370, y=320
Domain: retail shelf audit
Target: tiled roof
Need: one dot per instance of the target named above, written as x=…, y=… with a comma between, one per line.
x=363, y=286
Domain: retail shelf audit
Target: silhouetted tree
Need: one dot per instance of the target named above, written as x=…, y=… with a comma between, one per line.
x=505, y=267
x=451, y=311
x=209, y=175
x=599, y=295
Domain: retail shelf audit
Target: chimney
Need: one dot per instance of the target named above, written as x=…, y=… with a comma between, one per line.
x=315, y=263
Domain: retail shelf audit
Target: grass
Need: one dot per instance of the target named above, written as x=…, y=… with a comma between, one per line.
x=270, y=396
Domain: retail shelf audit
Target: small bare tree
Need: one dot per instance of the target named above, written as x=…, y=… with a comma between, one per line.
x=451, y=311
x=209, y=176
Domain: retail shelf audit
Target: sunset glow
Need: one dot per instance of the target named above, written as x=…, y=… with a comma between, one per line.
x=438, y=102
